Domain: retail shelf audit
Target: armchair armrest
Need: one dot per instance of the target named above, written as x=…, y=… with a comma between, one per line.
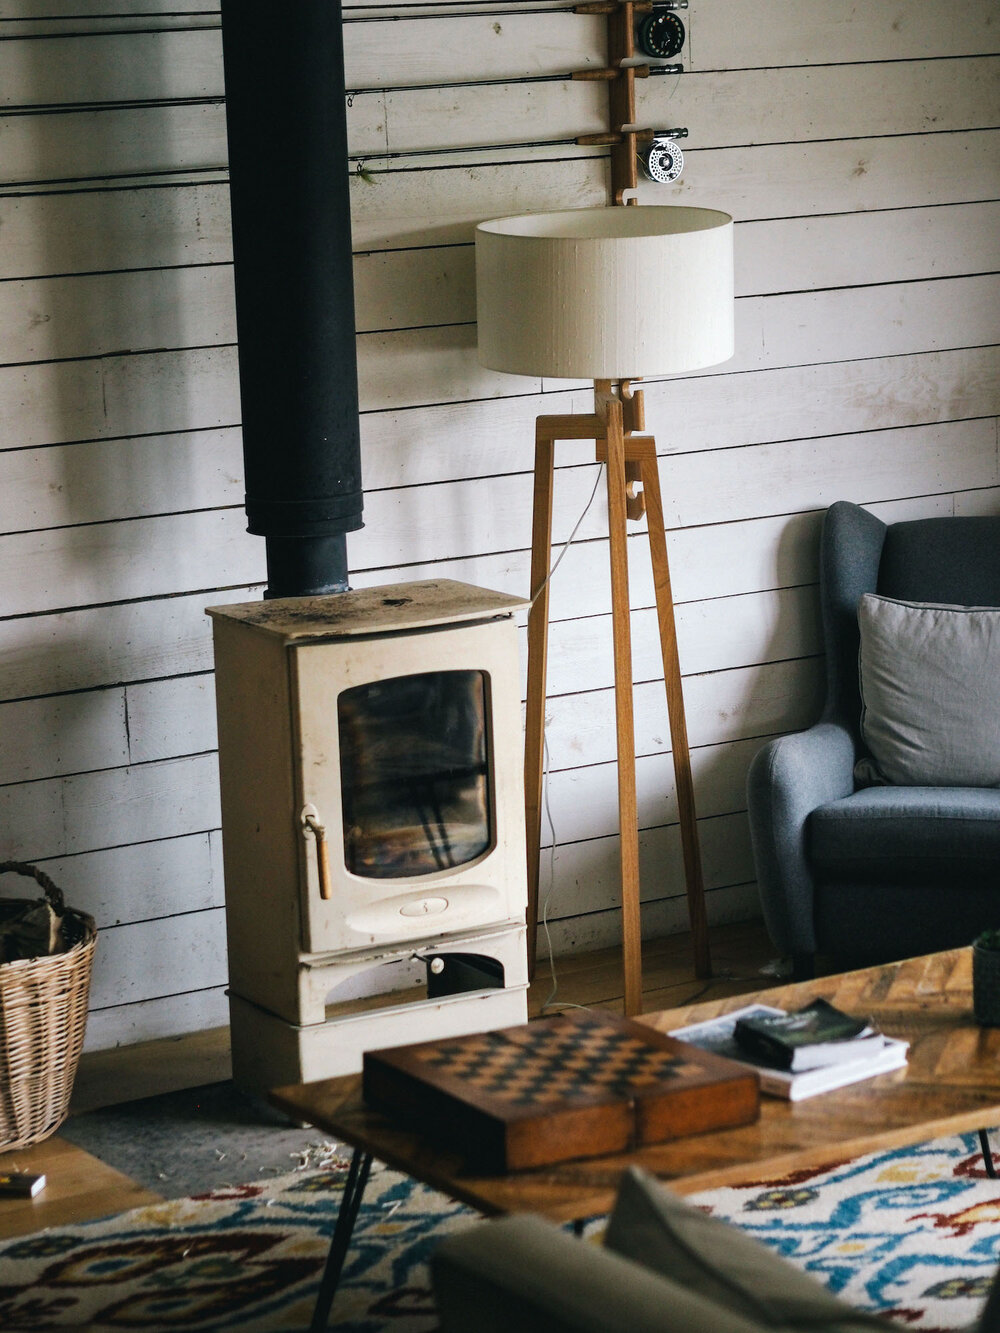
x=525, y=1274
x=788, y=779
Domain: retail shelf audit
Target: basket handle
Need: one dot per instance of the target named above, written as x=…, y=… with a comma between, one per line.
x=52, y=891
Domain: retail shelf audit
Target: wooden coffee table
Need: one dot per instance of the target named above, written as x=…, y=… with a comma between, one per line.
x=951, y=1084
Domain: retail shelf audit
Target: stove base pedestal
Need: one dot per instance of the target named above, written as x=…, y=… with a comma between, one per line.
x=270, y=1052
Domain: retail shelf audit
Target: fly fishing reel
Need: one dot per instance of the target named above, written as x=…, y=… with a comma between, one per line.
x=661, y=157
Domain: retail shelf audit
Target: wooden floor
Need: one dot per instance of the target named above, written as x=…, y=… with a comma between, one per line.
x=80, y=1187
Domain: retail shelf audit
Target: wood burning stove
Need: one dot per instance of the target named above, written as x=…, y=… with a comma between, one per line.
x=370, y=758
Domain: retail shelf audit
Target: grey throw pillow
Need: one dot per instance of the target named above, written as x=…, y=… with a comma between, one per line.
x=930, y=692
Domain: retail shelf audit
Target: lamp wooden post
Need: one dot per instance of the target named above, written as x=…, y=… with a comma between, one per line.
x=591, y=293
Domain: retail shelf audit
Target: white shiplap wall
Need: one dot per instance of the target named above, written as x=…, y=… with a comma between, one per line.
x=855, y=145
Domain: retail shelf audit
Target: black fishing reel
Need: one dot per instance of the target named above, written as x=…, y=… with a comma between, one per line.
x=660, y=34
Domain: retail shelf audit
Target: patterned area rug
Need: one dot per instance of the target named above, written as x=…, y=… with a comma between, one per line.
x=912, y=1234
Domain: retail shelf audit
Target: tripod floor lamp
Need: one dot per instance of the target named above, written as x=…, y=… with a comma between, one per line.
x=610, y=295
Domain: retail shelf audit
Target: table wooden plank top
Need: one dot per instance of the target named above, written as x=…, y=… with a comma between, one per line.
x=951, y=1084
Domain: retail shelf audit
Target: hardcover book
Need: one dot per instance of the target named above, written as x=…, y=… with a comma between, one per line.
x=578, y=1085
x=819, y=1034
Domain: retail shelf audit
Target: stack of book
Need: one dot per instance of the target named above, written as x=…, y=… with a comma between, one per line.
x=799, y=1054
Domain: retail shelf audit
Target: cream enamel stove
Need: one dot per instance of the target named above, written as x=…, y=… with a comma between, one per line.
x=373, y=826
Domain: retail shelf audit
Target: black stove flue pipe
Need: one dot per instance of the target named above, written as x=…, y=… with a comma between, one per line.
x=287, y=126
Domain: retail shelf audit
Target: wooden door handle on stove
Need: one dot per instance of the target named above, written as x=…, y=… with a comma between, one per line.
x=322, y=856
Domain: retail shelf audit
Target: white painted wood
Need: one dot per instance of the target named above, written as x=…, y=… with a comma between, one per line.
x=438, y=365
x=698, y=488
x=141, y=804
x=748, y=34
x=587, y=873
x=706, y=562
x=171, y=717
x=120, y=396
x=711, y=636
x=79, y=146
x=430, y=118
x=104, y=480
x=118, y=67
x=583, y=801
x=721, y=706
x=825, y=101
x=168, y=1016
x=406, y=368
x=51, y=319
x=986, y=501
x=668, y=916
x=82, y=566
x=491, y=46
x=141, y=882
x=63, y=734
x=109, y=808
x=92, y=231
x=148, y=960
x=80, y=650
x=833, y=176
x=817, y=470
x=81, y=14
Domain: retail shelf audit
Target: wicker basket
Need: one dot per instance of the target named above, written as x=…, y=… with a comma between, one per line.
x=43, y=1016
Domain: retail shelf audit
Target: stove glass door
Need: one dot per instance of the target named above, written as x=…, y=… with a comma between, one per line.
x=414, y=767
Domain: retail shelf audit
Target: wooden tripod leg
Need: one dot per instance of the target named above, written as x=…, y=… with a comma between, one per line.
x=538, y=635
x=678, y=724
x=627, y=811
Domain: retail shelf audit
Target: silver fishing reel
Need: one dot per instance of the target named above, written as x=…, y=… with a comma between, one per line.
x=661, y=158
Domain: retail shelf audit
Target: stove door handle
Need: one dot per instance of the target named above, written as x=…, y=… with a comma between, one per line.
x=310, y=822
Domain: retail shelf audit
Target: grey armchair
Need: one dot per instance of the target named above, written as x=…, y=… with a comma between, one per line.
x=875, y=873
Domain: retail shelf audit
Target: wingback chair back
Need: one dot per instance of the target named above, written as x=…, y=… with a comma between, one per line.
x=954, y=561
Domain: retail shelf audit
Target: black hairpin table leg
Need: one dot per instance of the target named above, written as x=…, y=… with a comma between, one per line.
x=354, y=1188
x=984, y=1143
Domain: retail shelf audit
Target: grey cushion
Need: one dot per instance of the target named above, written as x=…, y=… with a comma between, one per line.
x=930, y=689
x=720, y=1262
x=912, y=834
x=523, y=1275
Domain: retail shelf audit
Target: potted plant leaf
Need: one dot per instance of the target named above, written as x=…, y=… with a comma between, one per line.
x=986, y=978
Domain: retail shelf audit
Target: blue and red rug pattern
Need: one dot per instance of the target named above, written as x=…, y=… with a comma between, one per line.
x=913, y=1234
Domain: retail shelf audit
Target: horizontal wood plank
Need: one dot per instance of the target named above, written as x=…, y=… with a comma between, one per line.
x=146, y=960
x=141, y=882
x=148, y=1020
x=109, y=808
x=798, y=32
x=119, y=67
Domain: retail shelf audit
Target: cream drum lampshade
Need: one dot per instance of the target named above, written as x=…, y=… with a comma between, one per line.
x=605, y=293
